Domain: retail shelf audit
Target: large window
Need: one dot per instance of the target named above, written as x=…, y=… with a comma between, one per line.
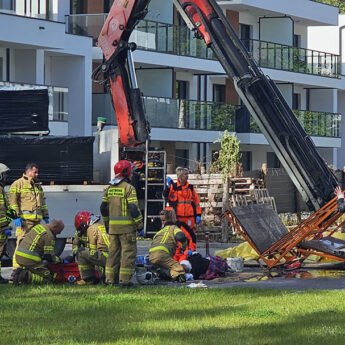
x=272, y=160
x=181, y=89
x=182, y=158
x=246, y=160
x=219, y=93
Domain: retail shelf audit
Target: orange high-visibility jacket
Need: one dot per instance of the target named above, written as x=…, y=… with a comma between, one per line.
x=184, y=199
x=181, y=254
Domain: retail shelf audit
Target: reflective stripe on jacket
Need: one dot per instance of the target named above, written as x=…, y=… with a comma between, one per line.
x=121, y=200
x=37, y=242
x=3, y=208
x=26, y=197
x=165, y=239
x=96, y=239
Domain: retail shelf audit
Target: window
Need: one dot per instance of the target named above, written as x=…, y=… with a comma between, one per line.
x=296, y=101
x=182, y=158
x=181, y=89
x=297, y=41
x=246, y=160
x=272, y=160
x=1, y=69
x=245, y=34
x=219, y=93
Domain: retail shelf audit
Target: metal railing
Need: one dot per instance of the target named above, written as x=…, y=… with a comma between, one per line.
x=174, y=113
x=148, y=35
x=58, y=101
x=289, y=58
x=178, y=40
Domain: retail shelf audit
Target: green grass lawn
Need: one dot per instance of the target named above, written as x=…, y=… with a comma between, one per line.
x=160, y=315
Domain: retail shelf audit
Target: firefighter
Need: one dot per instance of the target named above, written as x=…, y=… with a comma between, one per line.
x=35, y=251
x=164, y=245
x=90, y=246
x=6, y=215
x=27, y=199
x=122, y=217
x=183, y=198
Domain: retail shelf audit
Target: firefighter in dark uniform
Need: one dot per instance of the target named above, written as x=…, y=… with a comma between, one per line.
x=90, y=246
x=122, y=216
x=35, y=251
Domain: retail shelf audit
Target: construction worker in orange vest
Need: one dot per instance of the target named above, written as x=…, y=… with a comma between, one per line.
x=183, y=198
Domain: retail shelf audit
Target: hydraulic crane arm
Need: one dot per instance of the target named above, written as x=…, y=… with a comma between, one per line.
x=292, y=145
x=119, y=72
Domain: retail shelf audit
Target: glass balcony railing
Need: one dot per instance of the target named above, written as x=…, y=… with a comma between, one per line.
x=189, y=114
x=58, y=104
x=174, y=113
x=288, y=58
x=315, y=123
x=40, y=9
x=173, y=39
x=148, y=35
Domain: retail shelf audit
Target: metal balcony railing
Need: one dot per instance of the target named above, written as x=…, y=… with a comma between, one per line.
x=58, y=100
x=178, y=40
x=289, y=58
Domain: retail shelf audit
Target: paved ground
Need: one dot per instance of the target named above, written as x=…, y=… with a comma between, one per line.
x=322, y=276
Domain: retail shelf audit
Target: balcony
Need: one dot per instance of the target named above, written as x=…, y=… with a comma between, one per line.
x=148, y=35
x=292, y=59
x=178, y=40
x=58, y=105
x=178, y=113
x=40, y=9
x=315, y=123
x=199, y=115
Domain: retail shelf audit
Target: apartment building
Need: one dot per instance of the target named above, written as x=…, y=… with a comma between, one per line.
x=36, y=50
x=189, y=100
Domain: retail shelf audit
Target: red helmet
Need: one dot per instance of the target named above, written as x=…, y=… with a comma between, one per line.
x=123, y=169
x=81, y=220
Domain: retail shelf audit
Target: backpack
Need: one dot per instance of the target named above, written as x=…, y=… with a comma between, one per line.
x=65, y=273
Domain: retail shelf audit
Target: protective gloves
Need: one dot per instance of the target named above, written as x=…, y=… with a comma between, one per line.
x=68, y=259
x=189, y=253
x=141, y=233
x=8, y=232
x=168, y=181
x=17, y=222
x=197, y=219
x=46, y=220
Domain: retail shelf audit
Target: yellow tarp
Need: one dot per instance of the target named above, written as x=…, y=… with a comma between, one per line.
x=245, y=251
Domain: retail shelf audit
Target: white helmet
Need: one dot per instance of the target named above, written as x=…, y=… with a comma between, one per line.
x=3, y=168
x=143, y=276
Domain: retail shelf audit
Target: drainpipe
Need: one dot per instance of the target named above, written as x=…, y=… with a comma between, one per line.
x=341, y=28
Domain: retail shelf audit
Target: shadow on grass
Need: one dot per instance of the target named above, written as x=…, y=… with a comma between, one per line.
x=100, y=315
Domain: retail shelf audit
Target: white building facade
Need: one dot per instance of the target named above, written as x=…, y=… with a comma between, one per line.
x=189, y=100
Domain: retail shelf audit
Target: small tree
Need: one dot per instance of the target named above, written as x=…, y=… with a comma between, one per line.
x=226, y=163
